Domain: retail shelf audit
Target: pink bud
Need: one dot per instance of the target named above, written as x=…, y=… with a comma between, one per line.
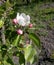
x=15, y=21
x=30, y=25
x=19, y=31
x=27, y=42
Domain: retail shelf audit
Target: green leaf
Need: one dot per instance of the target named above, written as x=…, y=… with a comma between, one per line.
x=8, y=4
x=4, y=50
x=29, y=53
x=1, y=23
x=36, y=58
x=6, y=63
x=17, y=40
x=35, y=39
x=21, y=59
x=9, y=34
x=9, y=60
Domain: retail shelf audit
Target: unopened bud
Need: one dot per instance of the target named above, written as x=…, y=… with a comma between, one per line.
x=30, y=25
x=15, y=21
x=19, y=31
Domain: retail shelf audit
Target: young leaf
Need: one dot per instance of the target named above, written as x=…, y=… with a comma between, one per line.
x=29, y=53
x=1, y=23
x=5, y=63
x=17, y=40
x=8, y=4
x=35, y=39
x=4, y=50
x=21, y=59
x=9, y=60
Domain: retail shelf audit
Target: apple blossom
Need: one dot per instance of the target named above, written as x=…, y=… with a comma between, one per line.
x=19, y=31
x=23, y=14
x=23, y=19
x=20, y=19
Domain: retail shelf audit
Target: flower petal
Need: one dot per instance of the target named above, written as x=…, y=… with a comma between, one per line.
x=28, y=17
x=23, y=15
x=18, y=16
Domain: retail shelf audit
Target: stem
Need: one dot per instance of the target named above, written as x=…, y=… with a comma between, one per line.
x=3, y=28
x=3, y=35
x=25, y=62
x=30, y=41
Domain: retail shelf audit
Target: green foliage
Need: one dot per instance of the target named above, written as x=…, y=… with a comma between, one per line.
x=17, y=40
x=21, y=59
x=35, y=39
x=9, y=60
x=4, y=50
x=52, y=56
x=8, y=4
x=51, y=24
x=29, y=53
x=6, y=63
x=1, y=23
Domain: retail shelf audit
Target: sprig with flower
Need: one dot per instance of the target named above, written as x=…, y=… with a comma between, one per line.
x=26, y=44
x=22, y=20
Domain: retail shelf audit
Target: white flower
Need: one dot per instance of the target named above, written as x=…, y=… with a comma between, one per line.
x=27, y=20
x=23, y=14
x=17, y=17
x=23, y=19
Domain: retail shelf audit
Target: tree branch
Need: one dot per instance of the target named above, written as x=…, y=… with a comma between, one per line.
x=3, y=35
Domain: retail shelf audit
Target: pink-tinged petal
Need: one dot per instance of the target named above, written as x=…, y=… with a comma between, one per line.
x=21, y=21
x=19, y=31
x=18, y=16
x=28, y=17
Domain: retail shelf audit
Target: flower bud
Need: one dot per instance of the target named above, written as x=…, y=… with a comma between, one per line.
x=27, y=42
x=30, y=25
x=15, y=21
x=19, y=31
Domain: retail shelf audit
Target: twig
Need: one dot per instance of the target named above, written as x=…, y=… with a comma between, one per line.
x=4, y=16
x=3, y=35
